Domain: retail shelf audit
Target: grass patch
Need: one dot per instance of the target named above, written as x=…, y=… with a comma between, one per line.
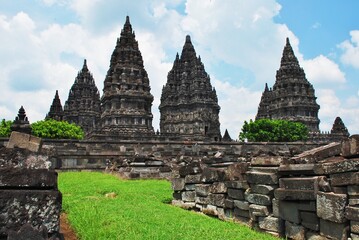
x=139, y=211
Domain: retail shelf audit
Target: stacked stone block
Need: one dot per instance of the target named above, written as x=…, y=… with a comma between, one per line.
x=313, y=195
x=30, y=202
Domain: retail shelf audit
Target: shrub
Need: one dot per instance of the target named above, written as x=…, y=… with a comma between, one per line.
x=267, y=130
x=57, y=129
x=5, y=130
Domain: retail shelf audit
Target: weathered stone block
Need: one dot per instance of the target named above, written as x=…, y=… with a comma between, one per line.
x=310, y=220
x=267, y=160
x=188, y=196
x=272, y=224
x=243, y=205
x=291, y=194
x=27, y=178
x=331, y=206
x=240, y=213
x=210, y=210
x=258, y=198
x=190, y=169
x=340, y=190
x=352, y=213
x=289, y=210
x=339, y=165
x=354, y=226
x=258, y=211
x=262, y=189
x=192, y=178
x=184, y=205
x=333, y=230
x=228, y=203
x=275, y=207
x=236, y=171
x=350, y=147
x=237, y=184
x=217, y=199
x=293, y=231
x=342, y=179
x=303, y=183
x=296, y=169
x=235, y=193
x=210, y=175
x=353, y=190
x=177, y=195
x=262, y=178
x=25, y=141
x=319, y=153
x=36, y=207
x=202, y=190
x=354, y=201
x=218, y=187
x=202, y=200
x=178, y=184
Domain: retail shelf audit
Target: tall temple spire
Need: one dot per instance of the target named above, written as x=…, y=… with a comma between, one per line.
x=56, y=112
x=339, y=128
x=83, y=103
x=126, y=102
x=21, y=123
x=292, y=97
x=188, y=52
x=189, y=105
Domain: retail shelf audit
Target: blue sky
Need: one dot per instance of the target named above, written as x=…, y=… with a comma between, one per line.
x=43, y=44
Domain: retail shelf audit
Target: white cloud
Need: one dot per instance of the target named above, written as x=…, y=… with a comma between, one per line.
x=350, y=47
x=238, y=104
x=322, y=70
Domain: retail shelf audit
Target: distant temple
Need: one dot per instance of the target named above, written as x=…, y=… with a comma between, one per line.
x=292, y=97
x=83, y=103
x=56, y=112
x=189, y=105
x=126, y=101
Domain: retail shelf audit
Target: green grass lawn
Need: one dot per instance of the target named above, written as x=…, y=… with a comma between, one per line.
x=140, y=211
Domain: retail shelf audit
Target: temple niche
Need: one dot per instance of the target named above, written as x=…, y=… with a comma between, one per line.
x=292, y=96
x=126, y=102
x=83, y=103
x=189, y=106
x=56, y=112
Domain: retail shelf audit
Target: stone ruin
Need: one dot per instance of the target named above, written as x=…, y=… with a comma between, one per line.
x=313, y=195
x=30, y=202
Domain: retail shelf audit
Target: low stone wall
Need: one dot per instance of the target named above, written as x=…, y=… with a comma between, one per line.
x=30, y=202
x=314, y=195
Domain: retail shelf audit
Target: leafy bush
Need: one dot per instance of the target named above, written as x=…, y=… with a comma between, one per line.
x=5, y=130
x=267, y=130
x=57, y=129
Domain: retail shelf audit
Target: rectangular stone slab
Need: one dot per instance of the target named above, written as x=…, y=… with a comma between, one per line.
x=30, y=206
x=27, y=178
x=342, y=179
x=291, y=194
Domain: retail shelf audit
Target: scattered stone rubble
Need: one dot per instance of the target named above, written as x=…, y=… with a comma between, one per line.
x=30, y=202
x=314, y=195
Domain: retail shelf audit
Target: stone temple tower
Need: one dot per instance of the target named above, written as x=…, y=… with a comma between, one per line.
x=83, y=104
x=56, y=112
x=126, y=102
x=292, y=97
x=189, y=105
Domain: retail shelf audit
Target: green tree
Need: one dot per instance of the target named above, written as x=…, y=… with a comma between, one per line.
x=267, y=130
x=56, y=129
x=5, y=130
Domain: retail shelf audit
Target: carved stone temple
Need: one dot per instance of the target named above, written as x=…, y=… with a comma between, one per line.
x=56, y=112
x=83, y=103
x=189, y=105
x=292, y=96
x=126, y=101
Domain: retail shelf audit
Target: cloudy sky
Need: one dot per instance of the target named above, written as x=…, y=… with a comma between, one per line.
x=43, y=44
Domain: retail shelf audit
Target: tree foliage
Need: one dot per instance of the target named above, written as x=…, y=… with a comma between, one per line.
x=56, y=129
x=5, y=130
x=267, y=130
